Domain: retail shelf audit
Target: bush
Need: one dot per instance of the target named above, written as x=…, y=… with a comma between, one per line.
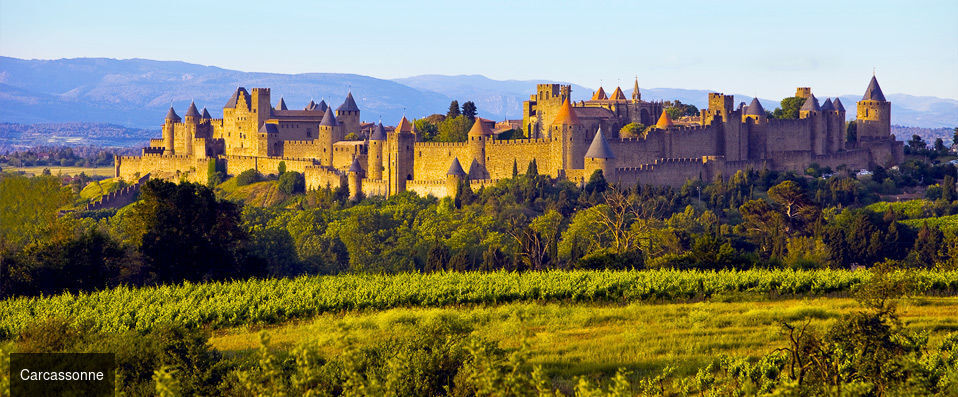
x=247, y=177
x=292, y=182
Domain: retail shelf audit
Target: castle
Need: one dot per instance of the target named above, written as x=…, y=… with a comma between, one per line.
x=568, y=140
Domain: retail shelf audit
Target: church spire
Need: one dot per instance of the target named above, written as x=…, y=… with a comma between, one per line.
x=636, y=95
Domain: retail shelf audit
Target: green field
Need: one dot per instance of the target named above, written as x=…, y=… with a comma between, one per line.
x=582, y=339
x=57, y=170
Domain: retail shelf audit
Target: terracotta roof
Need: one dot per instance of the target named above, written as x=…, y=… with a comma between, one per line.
x=172, y=116
x=599, y=95
x=404, y=125
x=599, y=149
x=755, y=108
x=269, y=128
x=664, y=121
x=566, y=115
x=873, y=92
x=192, y=112
x=328, y=120
x=811, y=104
x=355, y=167
x=456, y=169
x=617, y=94
x=281, y=105
x=349, y=105
x=827, y=106
x=379, y=133
x=838, y=105
x=480, y=127
x=206, y=114
x=239, y=91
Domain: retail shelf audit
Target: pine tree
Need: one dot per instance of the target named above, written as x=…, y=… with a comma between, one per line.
x=453, y=110
x=533, y=170
x=515, y=169
x=469, y=110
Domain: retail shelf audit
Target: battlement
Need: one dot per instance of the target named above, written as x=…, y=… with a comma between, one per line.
x=519, y=141
x=439, y=144
x=158, y=156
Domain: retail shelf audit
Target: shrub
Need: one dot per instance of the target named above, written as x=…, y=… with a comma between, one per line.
x=247, y=177
x=292, y=182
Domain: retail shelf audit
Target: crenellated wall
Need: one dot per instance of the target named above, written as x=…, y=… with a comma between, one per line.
x=432, y=159
x=265, y=165
x=131, y=168
x=502, y=154
x=319, y=177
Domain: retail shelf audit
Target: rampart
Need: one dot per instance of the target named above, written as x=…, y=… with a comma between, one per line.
x=265, y=165
x=118, y=198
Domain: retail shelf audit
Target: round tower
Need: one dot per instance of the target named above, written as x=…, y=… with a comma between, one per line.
x=454, y=177
x=169, y=130
x=600, y=157
x=327, y=136
x=190, y=122
x=399, y=152
x=564, y=129
x=354, y=178
x=478, y=135
x=374, y=161
x=755, y=112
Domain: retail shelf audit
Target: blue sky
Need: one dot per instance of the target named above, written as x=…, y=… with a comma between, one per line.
x=748, y=47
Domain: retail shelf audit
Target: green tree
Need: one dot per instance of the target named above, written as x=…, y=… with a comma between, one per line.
x=29, y=209
x=213, y=175
x=469, y=110
x=291, y=183
x=533, y=170
x=948, y=189
x=453, y=109
x=940, y=146
x=916, y=143
x=426, y=129
x=454, y=129
x=185, y=233
x=789, y=108
x=632, y=130
x=281, y=168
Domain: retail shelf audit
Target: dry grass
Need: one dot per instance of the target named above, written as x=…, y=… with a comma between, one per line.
x=571, y=340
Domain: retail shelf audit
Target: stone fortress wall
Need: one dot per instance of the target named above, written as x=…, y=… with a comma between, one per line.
x=569, y=140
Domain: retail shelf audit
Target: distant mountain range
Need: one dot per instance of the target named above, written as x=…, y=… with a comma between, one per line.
x=137, y=92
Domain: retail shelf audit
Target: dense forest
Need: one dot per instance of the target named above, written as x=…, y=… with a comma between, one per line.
x=761, y=219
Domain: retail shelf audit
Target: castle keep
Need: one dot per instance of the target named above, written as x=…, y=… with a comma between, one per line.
x=567, y=140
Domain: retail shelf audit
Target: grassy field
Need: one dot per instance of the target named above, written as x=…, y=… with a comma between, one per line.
x=57, y=170
x=581, y=339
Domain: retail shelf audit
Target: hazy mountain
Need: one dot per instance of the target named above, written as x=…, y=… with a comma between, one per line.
x=137, y=92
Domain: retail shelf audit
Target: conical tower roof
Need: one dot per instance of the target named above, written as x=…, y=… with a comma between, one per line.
x=404, y=125
x=322, y=105
x=811, y=104
x=599, y=148
x=281, y=105
x=311, y=105
x=599, y=95
x=206, y=114
x=476, y=171
x=755, y=108
x=873, y=92
x=664, y=121
x=838, y=105
x=379, y=133
x=355, y=167
x=192, y=112
x=828, y=106
x=479, y=128
x=566, y=115
x=349, y=105
x=172, y=116
x=456, y=169
x=617, y=94
x=240, y=91
x=328, y=120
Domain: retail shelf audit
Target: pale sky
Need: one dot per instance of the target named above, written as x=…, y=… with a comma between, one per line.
x=756, y=48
